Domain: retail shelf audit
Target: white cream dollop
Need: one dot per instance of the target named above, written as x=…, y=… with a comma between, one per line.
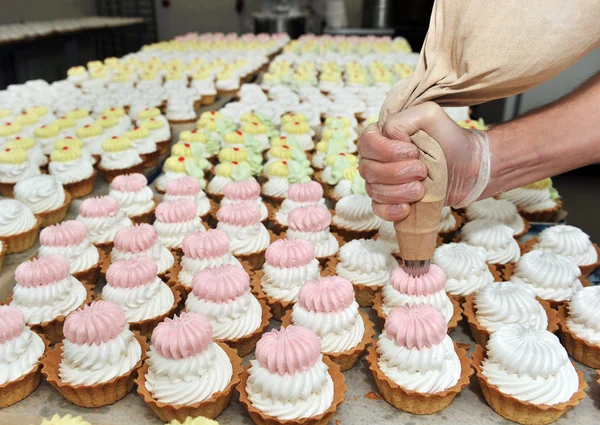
x=569, y=241
x=81, y=257
x=15, y=218
x=284, y=283
x=20, y=355
x=448, y=221
x=354, y=212
x=71, y=171
x=103, y=229
x=495, y=238
x=120, y=160
x=245, y=240
x=324, y=242
x=365, y=262
x=41, y=194
x=530, y=200
x=134, y=203
x=171, y=235
x=499, y=210
x=584, y=314
x=141, y=302
x=161, y=255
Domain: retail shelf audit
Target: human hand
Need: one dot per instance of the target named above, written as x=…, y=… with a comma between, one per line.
x=393, y=173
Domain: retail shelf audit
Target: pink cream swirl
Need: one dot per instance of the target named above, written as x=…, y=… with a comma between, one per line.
x=12, y=323
x=305, y=192
x=136, y=239
x=131, y=273
x=312, y=218
x=129, y=182
x=67, y=233
x=101, y=206
x=243, y=190
x=184, y=186
x=419, y=326
x=243, y=214
x=221, y=285
x=176, y=211
x=210, y=244
x=427, y=284
x=326, y=295
x=287, y=253
x=42, y=271
x=182, y=336
x=99, y=322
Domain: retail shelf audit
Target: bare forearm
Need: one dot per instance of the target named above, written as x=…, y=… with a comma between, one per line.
x=559, y=137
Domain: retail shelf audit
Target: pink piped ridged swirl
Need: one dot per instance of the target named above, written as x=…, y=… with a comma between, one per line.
x=305, y=192
x=12, y=323
x=129, y=182
x=418, y=326
x=99, y=322
x=42, y=271
x=312, y=218
x=101, y=206
x=183, y=336
x=135, y=239
x=131, y=273
x=288, y=350
x=286, y=253
x=242, y=214
x=210, y=244
x=243, y=190
x=184, y=186
x=326, y=295
x=176, y=211
x=67, y=233
x=221, y=285
x=427, y=284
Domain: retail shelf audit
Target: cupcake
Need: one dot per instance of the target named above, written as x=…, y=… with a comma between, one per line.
x=289, y=264
x=580, y=326
x=327, y=306
x=210, y=143
x=92, y=136
x=255, y=136
x=189, y=188
x=248, y=237
x=45, y=196
x=142, y=241
x=245, y=191
x=176, y=167
x=19, y=228
x=329, y=148
x=354, y=217
x=351, y=183
x=227, y=172
x=300, y=133
x=517, y=385
x=299, y=195
x=538, y=201
x=192, y=150
x=160, y=133
x=69, y=239
x=80, y=369
x=174, y=221
x=21, y=351
x=499, y=304
x=280, y=175
x=291, y=354
x=429, y=288
x=46, y=292
x=81, y=116
x=223, y=296
x=187, y=374
x=146, y=300
x=495, y=238
x=571, y=242
x=465, y=268
x=15, y=166
x=242, y=154
x=110, y=127
x=311, y=223
x=103, y=218
x=73, y=170
x=180, y=110
x=134, y=197
x=45, y=136
x=144, y=145
x=118, y=158
x=118, y=113
x=335, y=166
x=499, y=210
x=449, y=224
x=416, y=366
x=34, y=152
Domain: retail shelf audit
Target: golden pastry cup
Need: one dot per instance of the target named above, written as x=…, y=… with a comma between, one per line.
x=14, y=391
x=278, y=308
x=147, y=217
x=6, y=189
x=105, y=248
x=21, y=241
x=541, y=216
x=350, y=235
x=448, y=235
x=97, y=395
x=2, y=254
x=150, y=160
x=210, y=408
x=57, y=215
x=481, y=334
x=274, y=201
x=259, y=418
x=345, y=359
x=163, y=146
x=278, y=228
x=413, y=401
x=581, y=350
x=456, y=315
x=585, y=270
x=518, y=411
x=208, y=99
x=110, y=175
x=81, y=188
x=90, y=276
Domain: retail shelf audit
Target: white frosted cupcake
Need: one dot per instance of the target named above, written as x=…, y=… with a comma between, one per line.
x=103, y=218
x=299, y=195
x=189, y=187
x=119, y=157
x=499, y=210
x=580, y=326
x=73, y=170
x=15, y=166
x=175, y=220
x=354, y=217
x=45, y=197
x=19, y=228
x=28, y=144
x=134, y=196
x=312, y=223
x=245, y=191
x=537, y=201
x=495, y=238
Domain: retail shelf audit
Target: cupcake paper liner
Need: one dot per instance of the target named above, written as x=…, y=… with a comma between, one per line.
x=274, y=224
x=150, y=160
x=110, y=175
x=447, y=236
x=208, y=100
x=581, y=350
x=585, y=270
x=6, y=189
x=14, y=391
x=350, y=235
x=210, y=408
x=97, y=395
x=456, y=315
x=345, y=359
x=519, y=411
x=542, y=216
x=278, y=308
x=527, y=225
x=2, y=254
x=105, y=248
x=81, y=188
x=22, y=241
x=164, y=146
x=49, y=218
x=413, y=401
x=481, y=334
x=246, y=344
x=259, y=418
x=147, y=217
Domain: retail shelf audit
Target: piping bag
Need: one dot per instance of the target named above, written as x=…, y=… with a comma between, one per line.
x=469, y=57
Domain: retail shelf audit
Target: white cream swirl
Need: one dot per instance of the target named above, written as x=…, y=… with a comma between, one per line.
x=81, y=257
x=465, y=267
x=134, y=203
x=217, y=185
x=290, y=396
x=172, y=235
x=161, y=255
x=448, y=221
x=141, y=302
x=20, y=355
x=189, y=380
x=41, y=194
x=364, y=262
x=71, y=171
x=354, y=212
x=120, y=160
x=262, y=208
x=288, y=206
x=530, y=200
x=103, y=229
x=342, y=189
x=201, y=200
x=386, y=235
x=392, y=298
x=495, y=238
x=191, y=266
x=161, y=181
x=246, y=239
x=501, y=211
x=276, y=187
x=584, y=314
x=324, y=242
x=569, y=241
x=12, y=173
x=143, y=145
x=283, y=283
x=83, y=364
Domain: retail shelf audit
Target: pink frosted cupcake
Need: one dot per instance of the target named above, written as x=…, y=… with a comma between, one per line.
x=248, y=237
x=299, y=195
x=45, y=292
x=142, y=241
x=189, y=188
x=134, y=196
x=80, y=368
x=144, y=297
x=203, y=250
x=187, y=374
x=103, y=218
x=245, y=191
x=69, y=240
x=327, y=306
x=291, y=354
x=311, y=223
x=236, y=315
x=174, y=221
x=289, y=263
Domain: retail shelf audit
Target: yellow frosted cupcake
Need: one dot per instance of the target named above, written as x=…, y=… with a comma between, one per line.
x=46, y=135
x=118, y=158
x=176, y=167
x=300, y=133
x=160, y=132
x=92, y=136
x=537, y=201
x=74, y=171
x=8, y=130
x=34, y=152
x=15, y=166
x=144, y=145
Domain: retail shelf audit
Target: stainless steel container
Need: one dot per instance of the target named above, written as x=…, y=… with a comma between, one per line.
x=379, y=13
x=293, y=23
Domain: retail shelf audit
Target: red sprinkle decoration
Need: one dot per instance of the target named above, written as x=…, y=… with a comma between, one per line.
x=114, y=137
x=285, y=147
x=239, y=133
x=65, y=148
x=187, y=145
x=284, y=162
x=181, y=159
x=235, y=163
